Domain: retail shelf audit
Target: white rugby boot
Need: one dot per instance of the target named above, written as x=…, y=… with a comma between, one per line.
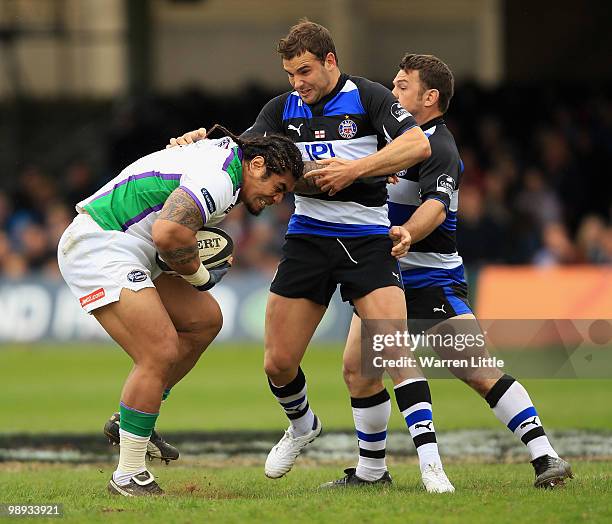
x=435, y=480
x=282, y=457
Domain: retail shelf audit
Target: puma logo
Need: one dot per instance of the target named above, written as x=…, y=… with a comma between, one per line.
x=525, y=424
x=395, y=275
x=296, y=129
x=440, y=309
x=426, y=426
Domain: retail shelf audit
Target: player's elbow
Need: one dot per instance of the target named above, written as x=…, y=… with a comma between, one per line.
x=165, y=234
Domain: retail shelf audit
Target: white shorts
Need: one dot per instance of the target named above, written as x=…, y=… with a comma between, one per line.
x=97, y=264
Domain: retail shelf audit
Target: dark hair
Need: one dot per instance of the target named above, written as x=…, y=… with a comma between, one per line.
x=434, y=74
x=279, y=153
x=307, y=36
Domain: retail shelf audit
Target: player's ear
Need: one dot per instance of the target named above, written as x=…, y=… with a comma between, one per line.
x=258, y=166
x=432, y=97
x=330, y=61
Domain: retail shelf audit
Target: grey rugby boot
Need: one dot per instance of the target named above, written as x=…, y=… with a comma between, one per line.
x=140, y=485
x=551, y=471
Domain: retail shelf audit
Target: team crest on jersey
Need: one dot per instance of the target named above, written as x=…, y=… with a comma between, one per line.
x=446, y=184
x=347, y=128
x=224, y=142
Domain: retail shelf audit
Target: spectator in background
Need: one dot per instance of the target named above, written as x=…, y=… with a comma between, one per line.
x=537, y=201
x=594, y=241
x=79, y=182
x=480, y=238
x=557, y=247
x=561, y=172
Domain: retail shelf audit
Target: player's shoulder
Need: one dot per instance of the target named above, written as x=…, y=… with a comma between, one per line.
x=368, y=87
x=441, y=139
x=210, y=160
x=278, y=102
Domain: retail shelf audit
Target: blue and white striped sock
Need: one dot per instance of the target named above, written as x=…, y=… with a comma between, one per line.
x=294, y=401
x=414, y=401
x=513, y=407
x=371, y=416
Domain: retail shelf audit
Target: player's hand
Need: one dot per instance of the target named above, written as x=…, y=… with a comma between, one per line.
x=337, y=174
x=216, y=274
x=392, y=179
x=401, y=241
x=188, y=138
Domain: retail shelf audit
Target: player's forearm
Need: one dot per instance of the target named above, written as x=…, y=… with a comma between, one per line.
x=177, y=246
x=406, y=150
x=308, y=186
x=428, y=216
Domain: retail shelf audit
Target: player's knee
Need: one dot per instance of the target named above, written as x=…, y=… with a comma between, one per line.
x=162, y=354
x=208, y=327
x=350, y=373
x=482, y=385
x=358, y=385
x=276, y=365
x=203, y=328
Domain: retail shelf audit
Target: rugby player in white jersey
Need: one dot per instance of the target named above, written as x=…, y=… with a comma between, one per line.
x=425, y=202
x=107, y=256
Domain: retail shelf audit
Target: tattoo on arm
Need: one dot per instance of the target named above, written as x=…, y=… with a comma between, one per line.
x=180, y=256
x=308, y=186
x=180, y=208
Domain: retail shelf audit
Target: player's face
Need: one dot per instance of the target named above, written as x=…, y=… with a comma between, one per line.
x=311, y=78
x=408, y=90
x=260, y=191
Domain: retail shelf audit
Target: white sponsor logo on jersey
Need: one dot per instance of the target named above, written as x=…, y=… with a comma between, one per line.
x=399, y=113
x=446, y=184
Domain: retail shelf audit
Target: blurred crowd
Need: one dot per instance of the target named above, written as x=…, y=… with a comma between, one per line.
x=536, y=188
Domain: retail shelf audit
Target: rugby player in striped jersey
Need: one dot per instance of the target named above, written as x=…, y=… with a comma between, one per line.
x=343, y=237
x=425, y=201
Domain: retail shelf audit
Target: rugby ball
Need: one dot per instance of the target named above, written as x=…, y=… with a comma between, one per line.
x=215, y=245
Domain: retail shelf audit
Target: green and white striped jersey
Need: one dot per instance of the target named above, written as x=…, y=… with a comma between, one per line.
x=209, y=170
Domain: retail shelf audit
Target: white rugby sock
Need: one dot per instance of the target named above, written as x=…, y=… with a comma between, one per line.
x=414, y=401
x=132, y=453
x=513, y=407
x=371, y=416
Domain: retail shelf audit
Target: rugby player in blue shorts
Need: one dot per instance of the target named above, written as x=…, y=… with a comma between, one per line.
x=424, y=201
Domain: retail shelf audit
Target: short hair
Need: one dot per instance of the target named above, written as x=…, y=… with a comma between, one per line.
x=434, y=74
x=307, y=36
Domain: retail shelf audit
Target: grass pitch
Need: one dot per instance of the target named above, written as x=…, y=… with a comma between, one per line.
x=485, y=493
x=73, y=389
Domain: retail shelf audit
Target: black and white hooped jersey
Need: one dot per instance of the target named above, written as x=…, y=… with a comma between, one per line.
x=434, y=260
x=355, y=120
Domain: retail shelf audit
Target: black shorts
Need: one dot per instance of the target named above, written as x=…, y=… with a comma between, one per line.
x=428, y=306
x=312, y=266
